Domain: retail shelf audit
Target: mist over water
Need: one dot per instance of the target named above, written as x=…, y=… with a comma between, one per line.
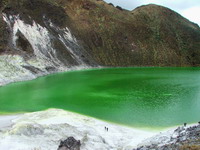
x=138, y=97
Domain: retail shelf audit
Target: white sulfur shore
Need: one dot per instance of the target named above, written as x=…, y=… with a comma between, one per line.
x=16, y=67
x=6, y=121
x=15, y=73
x=44, y=130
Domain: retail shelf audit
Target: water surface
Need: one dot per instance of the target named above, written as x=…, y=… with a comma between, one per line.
x=138, y=97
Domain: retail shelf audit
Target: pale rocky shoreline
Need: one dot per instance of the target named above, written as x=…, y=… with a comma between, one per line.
x=181, y=138
x=10, y=77
x=44, y=130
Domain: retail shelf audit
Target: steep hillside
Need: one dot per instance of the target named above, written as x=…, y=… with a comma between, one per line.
x=41, y=36
x=170, y=39
x=150, y=35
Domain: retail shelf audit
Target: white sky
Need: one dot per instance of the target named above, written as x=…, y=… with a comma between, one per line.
x=187, y=8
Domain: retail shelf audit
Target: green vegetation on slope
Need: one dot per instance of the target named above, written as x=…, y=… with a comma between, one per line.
x=150, y=35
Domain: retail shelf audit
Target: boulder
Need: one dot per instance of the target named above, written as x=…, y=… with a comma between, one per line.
x=70, y=144
x=120, y=8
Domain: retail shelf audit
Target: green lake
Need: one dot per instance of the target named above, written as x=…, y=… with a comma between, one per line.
x=138, y=97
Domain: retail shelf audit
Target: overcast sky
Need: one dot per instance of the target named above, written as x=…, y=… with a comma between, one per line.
x=187, y=8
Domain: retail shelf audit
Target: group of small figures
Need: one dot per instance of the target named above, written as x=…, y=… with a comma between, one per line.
x=106, y=128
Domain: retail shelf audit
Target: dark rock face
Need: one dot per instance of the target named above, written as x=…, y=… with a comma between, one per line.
x=118, y=7
x=69, y=144
x=111, y=4
x=23, y=44
x=32, y=69
x=4, y=35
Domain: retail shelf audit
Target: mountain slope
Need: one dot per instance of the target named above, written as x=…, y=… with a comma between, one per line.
x=42, y=36
x=150, y=35
x=173, y=39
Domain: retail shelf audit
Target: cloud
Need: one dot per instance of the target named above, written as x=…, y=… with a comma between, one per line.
x=174, y=4
x=187, y=8
x=127, y=4
x=192, y=14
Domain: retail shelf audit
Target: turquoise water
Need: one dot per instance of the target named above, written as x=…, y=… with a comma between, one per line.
x=138, y=97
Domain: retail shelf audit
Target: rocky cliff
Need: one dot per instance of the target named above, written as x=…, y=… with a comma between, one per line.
x=38, y=37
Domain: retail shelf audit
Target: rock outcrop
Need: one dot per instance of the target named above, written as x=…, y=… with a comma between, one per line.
x=70, y=144
x=182, y=138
